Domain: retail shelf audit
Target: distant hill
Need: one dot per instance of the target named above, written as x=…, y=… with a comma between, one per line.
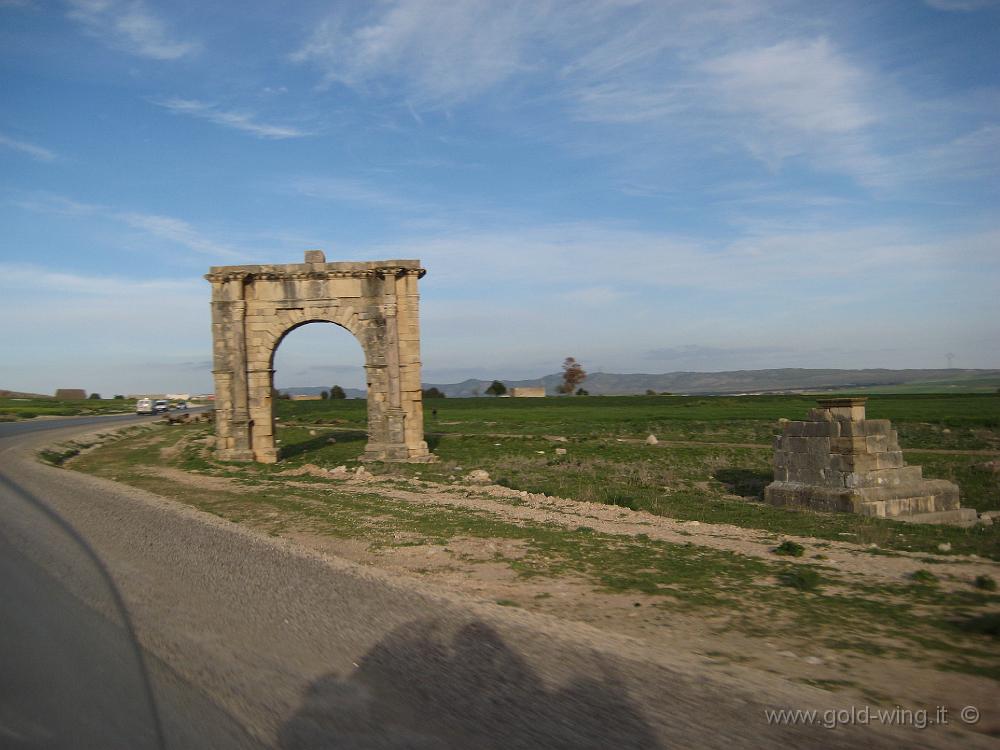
x=18, y=394
x=785, y=380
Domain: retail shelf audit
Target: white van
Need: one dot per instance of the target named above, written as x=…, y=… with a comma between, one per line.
x=144, y=406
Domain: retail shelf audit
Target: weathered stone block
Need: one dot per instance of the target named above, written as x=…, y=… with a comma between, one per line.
x=848, y=445
x=889, y=460
x=876, y=443
x=853, y=462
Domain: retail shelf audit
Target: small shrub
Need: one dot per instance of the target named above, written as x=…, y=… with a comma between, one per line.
x=790, y=548
x=986, y=583
x=803, y=579
x=988, y=624
x=923, y=576
x=622, y=501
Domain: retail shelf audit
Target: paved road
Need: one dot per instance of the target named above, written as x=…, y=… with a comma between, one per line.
x=248, y=641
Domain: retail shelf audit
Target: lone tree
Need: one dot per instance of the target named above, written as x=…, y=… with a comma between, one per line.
x=94, y=396
x=496, y=388
x=573, y=375
x=337, y=392
x=433, y=392
x=324, y=395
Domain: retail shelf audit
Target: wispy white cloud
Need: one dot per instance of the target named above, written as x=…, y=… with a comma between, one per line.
x=131, y=26
x=58, y=205
x=962, y=5
x=34, y=151
x=26, y=276
x=346, y=190
x=174, y=230
x=795, y=85
x=448, y=50
x=795, y=258
x=799, y=98
x=179, y=232
x=242, y=121
x=616, y=78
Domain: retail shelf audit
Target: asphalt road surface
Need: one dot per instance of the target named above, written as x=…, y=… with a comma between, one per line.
x=127, y=620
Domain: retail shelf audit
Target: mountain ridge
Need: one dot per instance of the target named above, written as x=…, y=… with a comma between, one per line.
x=728, y=382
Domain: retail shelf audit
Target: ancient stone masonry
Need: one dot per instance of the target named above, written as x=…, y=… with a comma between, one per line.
x=255, y=307
x=836, y=460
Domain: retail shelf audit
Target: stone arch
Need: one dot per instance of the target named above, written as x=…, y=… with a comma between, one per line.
x=255, y=307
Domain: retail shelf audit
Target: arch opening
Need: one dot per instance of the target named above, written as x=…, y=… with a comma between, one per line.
x=309, y=362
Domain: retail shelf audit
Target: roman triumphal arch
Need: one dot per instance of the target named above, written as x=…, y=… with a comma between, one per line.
x=253, y=307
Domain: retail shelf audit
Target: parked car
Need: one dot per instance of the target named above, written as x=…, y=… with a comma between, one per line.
x=160, y=406
x=145, y=406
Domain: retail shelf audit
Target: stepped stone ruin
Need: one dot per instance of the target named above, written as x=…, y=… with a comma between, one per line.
x=836, y=460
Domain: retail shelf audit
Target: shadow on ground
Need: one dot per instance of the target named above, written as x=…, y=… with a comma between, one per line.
x=427, y=687
x=748, y=483
x=291, y=450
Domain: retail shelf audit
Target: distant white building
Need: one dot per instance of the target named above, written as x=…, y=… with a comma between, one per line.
x=528, y=392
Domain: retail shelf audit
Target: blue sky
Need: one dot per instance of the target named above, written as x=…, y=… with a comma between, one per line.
x=646, y=186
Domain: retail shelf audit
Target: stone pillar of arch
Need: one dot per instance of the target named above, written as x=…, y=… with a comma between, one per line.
x=254, y=307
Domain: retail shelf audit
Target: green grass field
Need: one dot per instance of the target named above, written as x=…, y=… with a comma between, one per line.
x=711, y=465
x=13, y=409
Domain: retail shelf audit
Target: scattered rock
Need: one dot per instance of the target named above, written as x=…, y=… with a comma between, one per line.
x=944, y=547
x=541, y=453
x=556, y=438
x=560, y=451
x=312, y=432
x=813, y=660
x=478, y=476
x=787, y=654
x=331, y=440
x=310, y=469
x=339, y=472
x=362, y=474
x=651, y=440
